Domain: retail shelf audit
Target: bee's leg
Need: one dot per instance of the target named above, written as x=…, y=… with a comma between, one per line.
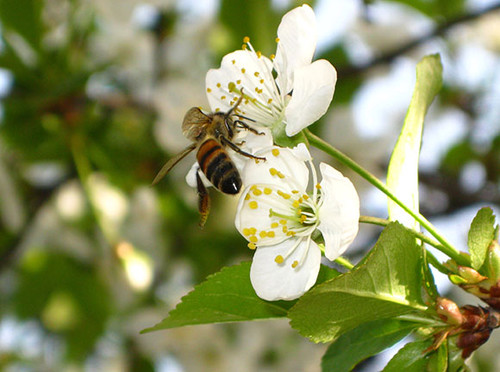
x=247, y=127
x=234, y=147
x=203, y=199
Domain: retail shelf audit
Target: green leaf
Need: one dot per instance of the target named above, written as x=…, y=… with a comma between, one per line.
x=438, y=360
x=364, y=341
x=24, y=18
x=387, y=283
x=227, y=296
x=402, y=174
x=411, y=358
x=481, y=234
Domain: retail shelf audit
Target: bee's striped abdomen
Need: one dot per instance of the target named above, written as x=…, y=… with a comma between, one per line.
x=218, y=167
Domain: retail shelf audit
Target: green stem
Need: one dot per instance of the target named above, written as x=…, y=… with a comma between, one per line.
x=344, y=262
x=432, y=260
x=447, y=248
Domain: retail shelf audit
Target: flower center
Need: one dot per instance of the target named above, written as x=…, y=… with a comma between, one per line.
x=254, y=74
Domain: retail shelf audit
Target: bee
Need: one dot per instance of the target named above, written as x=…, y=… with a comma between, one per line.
x=211, y=134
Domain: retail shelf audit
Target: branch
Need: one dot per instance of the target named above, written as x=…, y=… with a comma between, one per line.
x=349, y=71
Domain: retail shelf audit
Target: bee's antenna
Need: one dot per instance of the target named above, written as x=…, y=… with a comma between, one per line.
x=229, y=113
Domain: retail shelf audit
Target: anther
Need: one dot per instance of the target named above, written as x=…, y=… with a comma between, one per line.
x=267, y=191
x=209, y=90
x=253, y=239
x=252, y=246
x=279, y=259
x=273, y=225
x=263, y=234
x=275, y=152
x=253, y=204
x=295, y=264
x=246, y=39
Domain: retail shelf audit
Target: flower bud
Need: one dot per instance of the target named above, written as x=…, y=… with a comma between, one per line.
x=470, y=275
x=448, y=311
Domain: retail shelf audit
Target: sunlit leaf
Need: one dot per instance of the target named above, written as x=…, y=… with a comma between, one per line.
x=402, y=175
x=481, y=233
x=385, y=284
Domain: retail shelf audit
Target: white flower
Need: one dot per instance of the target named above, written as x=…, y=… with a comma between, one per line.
x=301, y=92
x=280, y=218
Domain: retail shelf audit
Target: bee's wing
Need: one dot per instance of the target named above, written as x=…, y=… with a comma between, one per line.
x=172, y=162
x=194, y=123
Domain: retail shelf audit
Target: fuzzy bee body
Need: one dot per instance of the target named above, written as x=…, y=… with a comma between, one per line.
x=218, y=167
x=211, y=134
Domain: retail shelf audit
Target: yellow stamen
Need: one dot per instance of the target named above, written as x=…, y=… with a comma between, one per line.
x=253, y=239
x=269, y=101
x=223, y=98
x=273, y=171
x=291, y=233
x=295, y=204
x=252, y=246
x=283, y=222
x=218, y=85
x=243, y=70
x=233, y=61
x=318, y=186
x=283, y=194
x=246, y=39
x=259, y=54
x=247, y=197
x=256, y=73
x=209, y=90
x=274, y=225
x=272, y=56
x=275, y=152
x=277, y=39
x=246, y=231
x=279, y=259
x=270, y=234
x=263, y=234
x=285, y=229
x=295, y=264
x=244, y=47
x=267, y=191
x=257, y=192
x=253, y=204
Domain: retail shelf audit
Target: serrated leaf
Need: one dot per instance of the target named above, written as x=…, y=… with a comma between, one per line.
x=481, y=234
x=364, y=341
x=410, y=358
x=227, y=296
x=402, y=174
x=386, y=284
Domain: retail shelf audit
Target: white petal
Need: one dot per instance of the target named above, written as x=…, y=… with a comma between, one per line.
x=273, y=281
x=245, y=70
x=294, y=174
x=297, y=34
x=254, y=142
x=339, y=212
x=191, y=177
x=312, y=93
x=258, y=217
x=301, y=152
